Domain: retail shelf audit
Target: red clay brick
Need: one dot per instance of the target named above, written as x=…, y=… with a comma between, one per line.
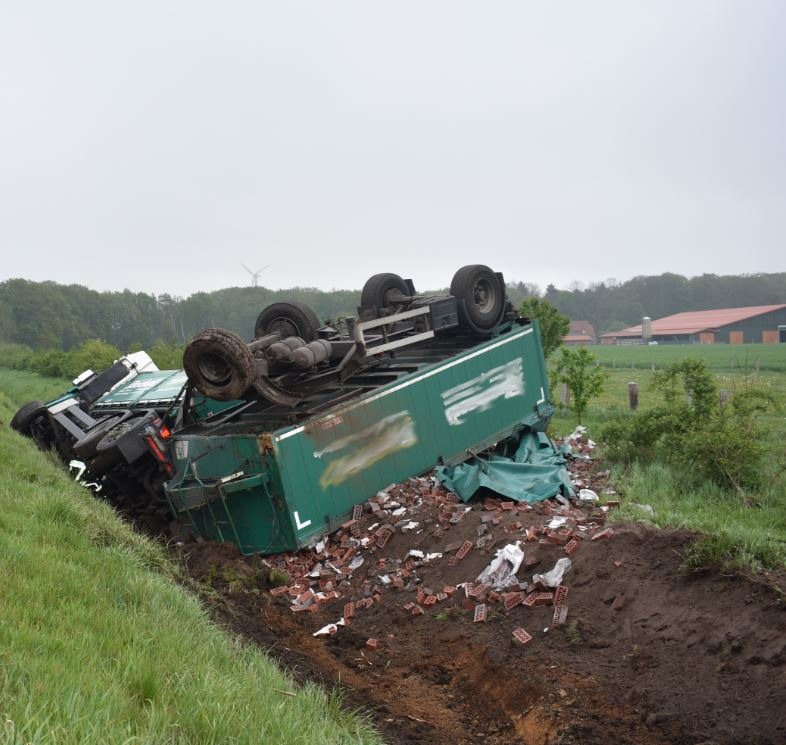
x=521, y=636
x=449, y=590
x=543, y=598
x=605, y=533
x=409, y=606
x=417, y=611
x=512, y=599
x=560, y=615
x=430, y=600
x=372, y=643
x=466, y=547
x=349, y=610
x=357, y=512
x=529, y=601
x=507, y=505
x=571, y=547
x=442, y=597
x=481, y=612
x=280, y=590
x=560, y=594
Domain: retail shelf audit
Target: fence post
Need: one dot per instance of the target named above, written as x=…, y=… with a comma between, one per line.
x=724, y=396
x=564, y=396
x=633, y=395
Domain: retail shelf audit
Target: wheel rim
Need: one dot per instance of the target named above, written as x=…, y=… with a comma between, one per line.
x=214, y=369
x=284, y=327
x=484, y=295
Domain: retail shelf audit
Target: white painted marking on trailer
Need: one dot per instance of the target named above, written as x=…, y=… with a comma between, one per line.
x=408, y=383
x=299, y=524
x=479, y=393
x=542, y=398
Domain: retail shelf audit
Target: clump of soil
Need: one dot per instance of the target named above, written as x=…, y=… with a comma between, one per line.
x=646, y=652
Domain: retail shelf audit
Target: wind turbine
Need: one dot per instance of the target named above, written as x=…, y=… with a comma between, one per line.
x=254, y=275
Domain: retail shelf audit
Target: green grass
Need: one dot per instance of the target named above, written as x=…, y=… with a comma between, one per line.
x=99, y=643
x=21, y=386
x=719, y=357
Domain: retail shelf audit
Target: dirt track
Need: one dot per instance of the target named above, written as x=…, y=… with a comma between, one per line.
x=649, y=653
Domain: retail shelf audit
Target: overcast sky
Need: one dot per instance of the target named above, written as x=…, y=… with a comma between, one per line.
x=156, y=145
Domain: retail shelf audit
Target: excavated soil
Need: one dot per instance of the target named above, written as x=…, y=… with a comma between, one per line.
x=648, y=652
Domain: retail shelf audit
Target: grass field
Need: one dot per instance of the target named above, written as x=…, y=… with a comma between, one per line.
x=100, y=644
x=749, y=532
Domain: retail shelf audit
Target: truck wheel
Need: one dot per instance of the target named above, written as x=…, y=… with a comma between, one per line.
x=380, y=291
x=85, y=447
x=291, y=318
x=107, y=451
x=24, y=418
x=483, y=294
x=219, y=364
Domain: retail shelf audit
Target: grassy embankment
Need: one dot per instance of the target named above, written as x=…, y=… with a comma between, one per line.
x=98, y=642
x=752, y=533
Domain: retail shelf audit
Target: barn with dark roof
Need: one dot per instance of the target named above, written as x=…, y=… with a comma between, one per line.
x=757, y=324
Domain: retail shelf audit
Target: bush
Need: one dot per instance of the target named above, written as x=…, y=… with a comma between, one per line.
x=51, y=363
x=93, y=355
x=693, y=430
x=578, y=369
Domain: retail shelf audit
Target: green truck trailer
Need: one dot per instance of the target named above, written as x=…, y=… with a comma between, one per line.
x=271, y=443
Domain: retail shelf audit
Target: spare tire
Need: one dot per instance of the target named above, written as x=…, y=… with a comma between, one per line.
x=85, y=447
x=380, y=291
x=291, y=318
x=110, y=451
x=483, y=294
x=219, y=364
x=24, y=418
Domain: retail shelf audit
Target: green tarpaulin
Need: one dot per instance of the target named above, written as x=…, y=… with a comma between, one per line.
x=529, y=469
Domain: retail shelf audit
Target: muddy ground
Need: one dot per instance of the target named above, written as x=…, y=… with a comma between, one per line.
x=647, y=653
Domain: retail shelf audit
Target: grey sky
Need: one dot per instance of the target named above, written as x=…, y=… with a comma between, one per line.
x=154, y=145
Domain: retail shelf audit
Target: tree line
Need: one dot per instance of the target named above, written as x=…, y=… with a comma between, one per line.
x=47, y=315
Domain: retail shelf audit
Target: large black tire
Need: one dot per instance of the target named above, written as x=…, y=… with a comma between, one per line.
x=85, y=447
x=108, y=452
x=219, y=364
x=379, y=291
x=483, y=294
x=24, y=418
x=291, y=318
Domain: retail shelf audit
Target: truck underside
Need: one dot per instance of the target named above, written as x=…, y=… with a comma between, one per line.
x=271, y=443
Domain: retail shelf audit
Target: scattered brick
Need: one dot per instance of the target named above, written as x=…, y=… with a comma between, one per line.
x=383, y=535
x=417, y=611
x=477, y=590
x=521, y=636
x=619, y=602
x=372, y=643
x=349, y=523
x=572, y=546
x=512, y=599
x=442, y=597
x=605, y=533
x=507, y=505
x=409, y=606
x=481, y=612
x=529, y=601
x=543, y=598
x=357, y=512
x=466, y=547
x=449, y=590
x=280, y=590
x=430, y=600
x=349, y=610
x=560, y=615
x=618, y=564
x=560, y=594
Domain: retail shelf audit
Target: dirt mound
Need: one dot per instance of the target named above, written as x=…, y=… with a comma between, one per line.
x=638, y=651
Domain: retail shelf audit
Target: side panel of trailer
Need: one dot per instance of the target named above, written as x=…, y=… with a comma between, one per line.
x=280, y=490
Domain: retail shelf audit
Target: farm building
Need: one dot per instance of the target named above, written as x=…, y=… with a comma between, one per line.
x=580, y=333
x=757, y=324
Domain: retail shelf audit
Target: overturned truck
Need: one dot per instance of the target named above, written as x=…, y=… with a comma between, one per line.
x=271, y=443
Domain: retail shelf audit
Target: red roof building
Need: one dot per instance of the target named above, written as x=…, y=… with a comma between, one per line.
x=581, y=332
x=757, y=324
